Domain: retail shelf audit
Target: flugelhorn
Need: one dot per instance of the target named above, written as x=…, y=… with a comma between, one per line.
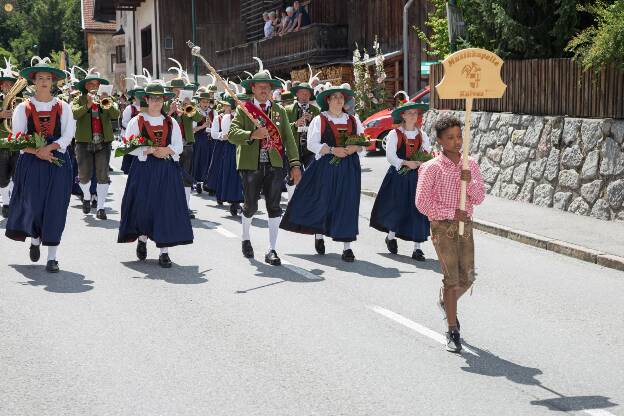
x=106, y=102
x=11, y=100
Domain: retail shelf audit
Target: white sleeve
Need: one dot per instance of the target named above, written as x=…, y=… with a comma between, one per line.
x=391, y=147
x=426, y=143
x=126, y=116
x=214, y=129
x=133, y=129
x=358, y=122
x=314, y=137
x=225, y=126
x=68, y=127
x=177, y=145
x=19, y=120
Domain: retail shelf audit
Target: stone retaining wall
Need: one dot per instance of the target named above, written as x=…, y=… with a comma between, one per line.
x=572, y=164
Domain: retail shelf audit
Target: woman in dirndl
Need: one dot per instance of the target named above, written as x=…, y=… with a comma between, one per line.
x=154, y=202
x=394, y=211
x=327, y=200
x=43, y=177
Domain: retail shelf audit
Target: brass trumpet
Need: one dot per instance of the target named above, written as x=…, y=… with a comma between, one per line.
x=11, y=100
x=190, y=110
x=105, y=103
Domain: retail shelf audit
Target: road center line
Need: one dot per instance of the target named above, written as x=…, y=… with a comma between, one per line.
x=225, y=233
x=422, y=330
x=299, y=270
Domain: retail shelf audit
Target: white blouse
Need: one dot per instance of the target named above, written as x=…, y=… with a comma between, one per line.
x=176, y=135
x=68, y=124
x=391, y=145
x=221, y=134
x=314, y=131
x=127, y=115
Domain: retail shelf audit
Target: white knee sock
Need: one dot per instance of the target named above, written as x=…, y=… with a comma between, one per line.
x=273, y=230
x=143, y=238
x=318, y=236
x=102, y=192
x=6, y=195
x=291, y=190
x=52, y=252
x=347, y=246
x=11, y=185
x=35, y=241
x=164, y=250
x=86, y=193
x=187, y=191
x=391, y=235
x=416, y=246
x=246, y=227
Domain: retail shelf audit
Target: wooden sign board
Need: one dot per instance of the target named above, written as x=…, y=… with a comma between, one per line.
x=472, y=73
x=469, y=74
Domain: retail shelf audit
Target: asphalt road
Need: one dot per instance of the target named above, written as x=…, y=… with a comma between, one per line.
x=221, y=335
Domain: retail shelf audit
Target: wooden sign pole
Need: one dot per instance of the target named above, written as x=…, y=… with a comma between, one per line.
x=465, y=159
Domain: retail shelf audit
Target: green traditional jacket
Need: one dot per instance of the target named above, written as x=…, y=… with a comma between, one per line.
x=82, y=115
x=248, y=150
x=186, y=123
x=3, y=132
x=293, y=115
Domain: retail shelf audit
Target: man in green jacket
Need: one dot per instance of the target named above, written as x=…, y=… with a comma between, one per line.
x=8, y=159
x=94, y=134
x=260, y=157
x=300, y=114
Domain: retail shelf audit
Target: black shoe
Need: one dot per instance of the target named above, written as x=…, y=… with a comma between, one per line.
x=101, y=214
x=272, y=258
x=392, y=245
x=418, y=255
x=94, y=203
x=453, y=342
x=319, y=245
x=52, y=266
x=5, y=211
x=220, y=203
x=205, y=188
x=35, y=253
x=234, y=209
x=198, y=189
x=86, y=206
x=248, y=249
x=164, y=261
x=191, y=215
x=348, y=256
x=141, y=250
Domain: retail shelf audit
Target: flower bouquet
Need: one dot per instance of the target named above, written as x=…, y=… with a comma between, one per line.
x=418, y=156
x=130, y=144
x=354, y=140
x=24, y=141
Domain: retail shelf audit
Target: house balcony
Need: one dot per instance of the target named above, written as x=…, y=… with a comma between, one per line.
x=314, y=44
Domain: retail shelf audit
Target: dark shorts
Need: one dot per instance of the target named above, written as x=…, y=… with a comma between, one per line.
x=455, y=252
x=93, y=156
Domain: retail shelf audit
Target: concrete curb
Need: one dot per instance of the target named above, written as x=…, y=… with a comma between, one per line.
x=550, y=244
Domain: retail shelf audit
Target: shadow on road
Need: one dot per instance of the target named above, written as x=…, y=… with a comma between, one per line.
x=62, y=282
x=108, y=224
x=361, y=267
x=429, y=264
x=491, y=365
x=178, y=275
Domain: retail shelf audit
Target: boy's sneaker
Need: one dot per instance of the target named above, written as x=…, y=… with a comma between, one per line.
x=453, y=341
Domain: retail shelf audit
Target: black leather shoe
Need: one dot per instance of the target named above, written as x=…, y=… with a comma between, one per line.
x=101, y=214
x=86, y=206
x=198, y=189
x=348, y=256
x=52, y=266
x=234, y=208
x=35, y=253
x=5, y=211
x=220, y=203
x=191, y=215
x=205, y=188
x=418, y=255
x=141, y=250
x=248, y=249
x=392, y=245
x=94, y=203
x=272, y=258
x=319, y=245
x=164, y=261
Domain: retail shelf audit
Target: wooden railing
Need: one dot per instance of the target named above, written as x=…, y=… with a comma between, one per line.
x=557, y=87
x=317, y=43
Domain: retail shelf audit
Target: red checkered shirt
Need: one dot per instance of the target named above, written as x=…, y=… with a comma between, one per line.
x=437, y=193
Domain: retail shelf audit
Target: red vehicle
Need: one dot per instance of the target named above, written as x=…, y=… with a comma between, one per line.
x=379, y=124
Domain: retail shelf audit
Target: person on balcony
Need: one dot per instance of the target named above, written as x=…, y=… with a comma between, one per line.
x=260, y=157
x=301, y=16
x=268, y=24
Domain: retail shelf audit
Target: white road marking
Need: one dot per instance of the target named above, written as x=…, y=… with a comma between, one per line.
x=225, y=232
x=299, y=270
x=598, y=412
x=423, y=330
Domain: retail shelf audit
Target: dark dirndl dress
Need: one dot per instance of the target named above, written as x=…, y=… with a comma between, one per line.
x=76, y=181
x=202, y=155
x=395, y=207
x=126, y=162
x=154, y=203
x=214, y=173
x=42, y=191
x=327, y=199
x=230, y=187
